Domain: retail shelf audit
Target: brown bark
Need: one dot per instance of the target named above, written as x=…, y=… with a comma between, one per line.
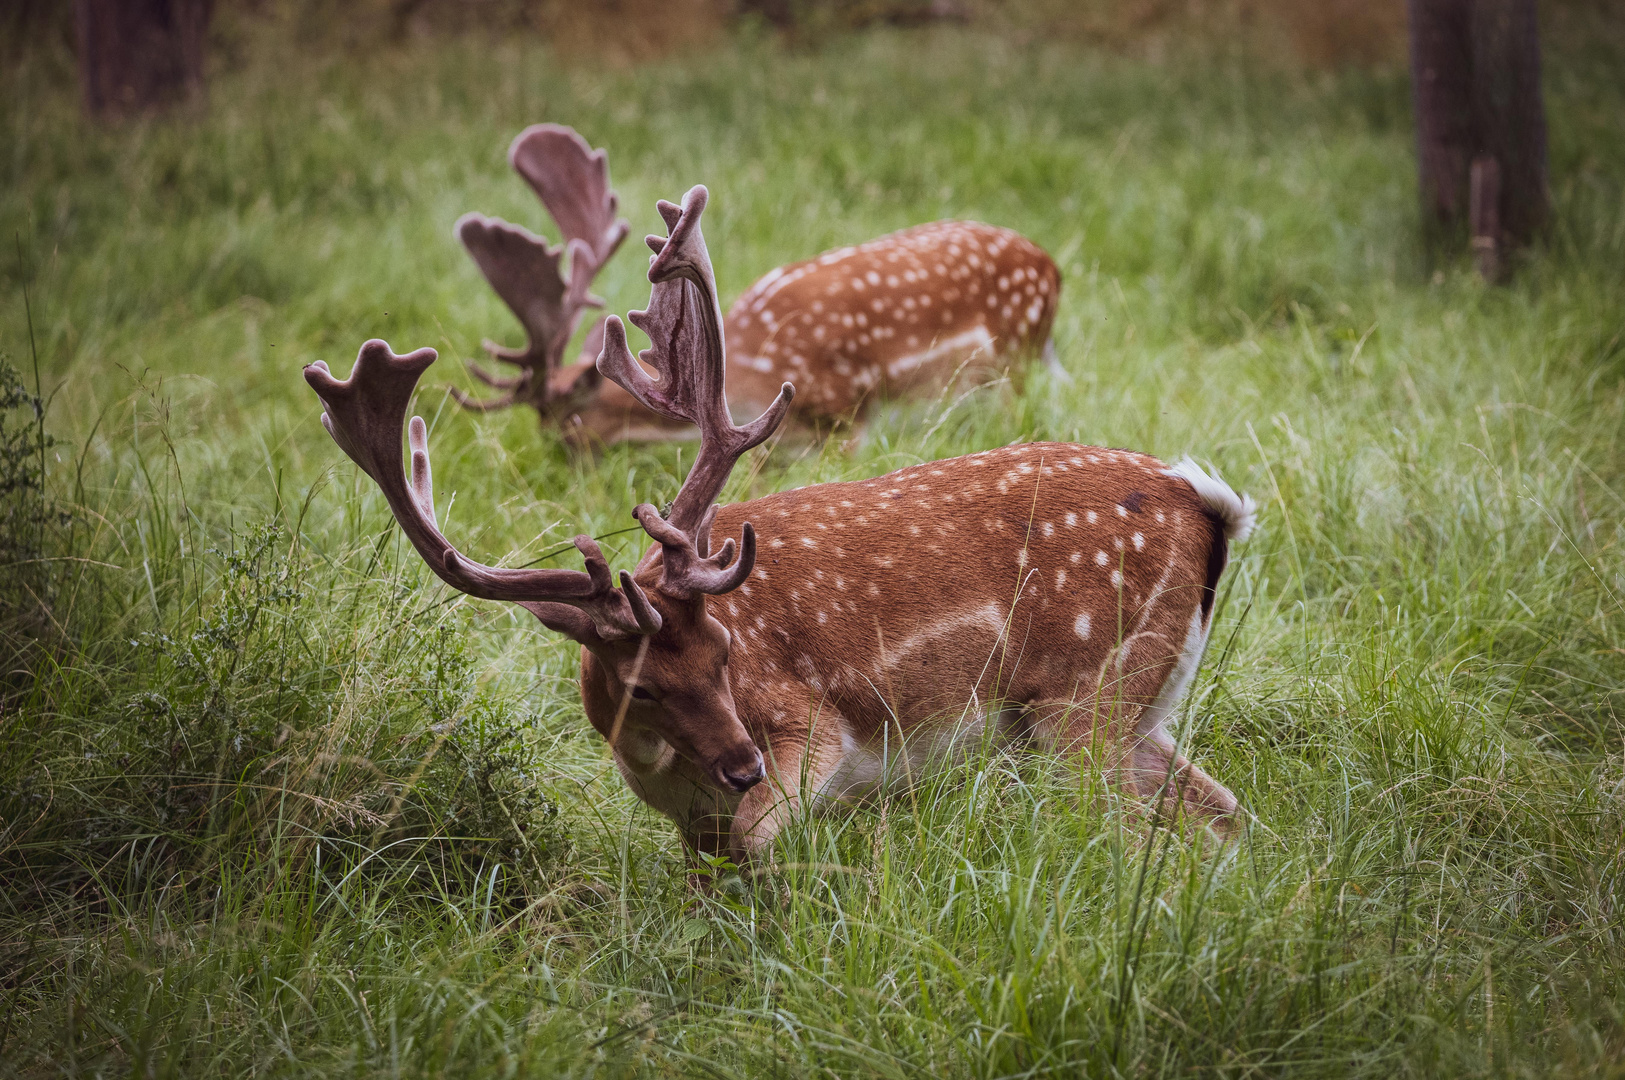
x=1475, y=80
x=1484, y=217
x=1511, y=112
x=1441, y=88
x=140, y=54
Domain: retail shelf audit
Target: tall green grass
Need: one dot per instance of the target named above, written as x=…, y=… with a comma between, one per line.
x=274, y=802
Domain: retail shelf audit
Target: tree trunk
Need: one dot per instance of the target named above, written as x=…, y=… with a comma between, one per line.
x=1442, y=91
x=1512, y=114
x=1475, y=80
x=140, y=54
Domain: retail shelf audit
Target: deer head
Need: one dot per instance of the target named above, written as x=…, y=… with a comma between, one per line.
x=650, y=643
x=527, y=272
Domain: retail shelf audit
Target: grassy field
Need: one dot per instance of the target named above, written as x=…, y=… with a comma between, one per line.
x=274, y=802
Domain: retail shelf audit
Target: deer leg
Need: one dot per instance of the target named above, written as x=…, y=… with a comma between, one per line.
x=1148, y=767
x=1153, y=769
x=798, y=768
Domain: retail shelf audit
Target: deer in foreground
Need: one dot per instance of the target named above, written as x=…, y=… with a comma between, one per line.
x=1064, y=592
x=904, y=314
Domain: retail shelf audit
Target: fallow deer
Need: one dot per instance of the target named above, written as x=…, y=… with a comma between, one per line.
x=1061, y=594
x=903, y=314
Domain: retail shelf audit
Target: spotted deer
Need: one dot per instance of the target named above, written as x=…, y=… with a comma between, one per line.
x=908, y=313
x=1049, y=592
x=904, y=314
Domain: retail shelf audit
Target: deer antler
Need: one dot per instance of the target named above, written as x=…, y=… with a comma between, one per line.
x=684, y=324
x=572, y=181
x=363, y=414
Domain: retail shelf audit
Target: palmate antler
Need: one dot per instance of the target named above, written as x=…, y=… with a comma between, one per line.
x=684, y=324
x=364, y=413
x=572, y=180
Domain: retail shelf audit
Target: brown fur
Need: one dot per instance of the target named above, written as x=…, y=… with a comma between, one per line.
x=879, y=610
x=906, y=313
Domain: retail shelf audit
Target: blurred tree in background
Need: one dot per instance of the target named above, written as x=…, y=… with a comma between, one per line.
x=1480, y=123
x=137, y=54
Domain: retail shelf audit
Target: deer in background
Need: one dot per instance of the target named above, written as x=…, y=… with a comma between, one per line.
x=1049, y=592
x=904, y=314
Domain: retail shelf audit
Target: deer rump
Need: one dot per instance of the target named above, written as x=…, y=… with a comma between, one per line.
x=1063, y=593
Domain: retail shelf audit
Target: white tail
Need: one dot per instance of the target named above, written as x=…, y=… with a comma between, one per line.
x=1237, y=512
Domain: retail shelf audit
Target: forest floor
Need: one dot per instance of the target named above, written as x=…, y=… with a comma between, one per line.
x=273, y=801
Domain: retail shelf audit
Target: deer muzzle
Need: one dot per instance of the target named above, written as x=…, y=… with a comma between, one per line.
x=739, y=776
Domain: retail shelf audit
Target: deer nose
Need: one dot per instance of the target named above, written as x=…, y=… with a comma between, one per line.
x=743, y=779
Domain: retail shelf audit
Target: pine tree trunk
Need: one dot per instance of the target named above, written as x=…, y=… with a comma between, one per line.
x=140, y=54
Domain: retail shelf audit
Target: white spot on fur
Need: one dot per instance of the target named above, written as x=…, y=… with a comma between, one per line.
x=1080, y=625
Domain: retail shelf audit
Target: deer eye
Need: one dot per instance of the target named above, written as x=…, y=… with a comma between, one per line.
x=641, y=694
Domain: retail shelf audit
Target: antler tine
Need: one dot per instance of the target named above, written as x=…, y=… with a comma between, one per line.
x=687, y=351
x=523, y=269
x=363, y=414
x=572, y=180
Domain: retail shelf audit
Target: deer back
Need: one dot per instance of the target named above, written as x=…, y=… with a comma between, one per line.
x=909, y=311
x=1045, y=571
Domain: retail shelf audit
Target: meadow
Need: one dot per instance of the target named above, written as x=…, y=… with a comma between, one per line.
x=273, y=801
